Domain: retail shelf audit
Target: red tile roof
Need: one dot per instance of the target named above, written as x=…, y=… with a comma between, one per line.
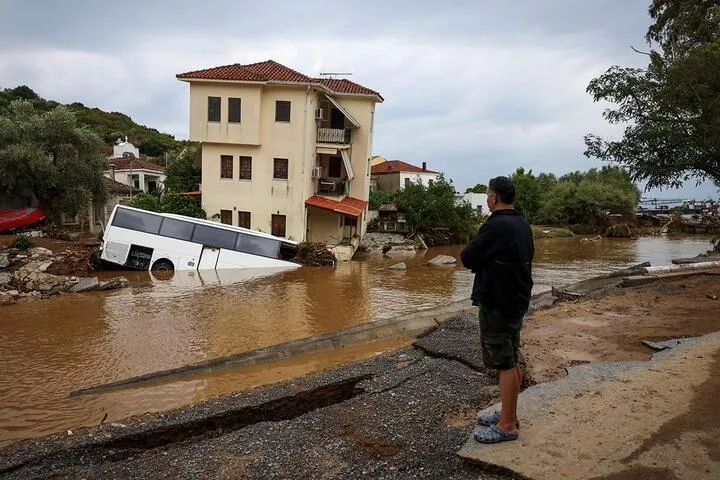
x=111, y=186
x=396, y=166
x=347, y=206
x=254, y=72
x=134, y=163
x=271, y=71
x=346, y=86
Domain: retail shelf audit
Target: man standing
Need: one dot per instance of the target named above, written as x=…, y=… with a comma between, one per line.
x=501, y=256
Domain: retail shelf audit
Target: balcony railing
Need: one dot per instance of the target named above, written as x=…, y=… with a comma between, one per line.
x=332, y=186
x=333, y=135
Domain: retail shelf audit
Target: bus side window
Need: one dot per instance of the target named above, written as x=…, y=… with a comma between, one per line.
x=214, y=237
x=265, y=247
x=177, y=229
x=139, y=221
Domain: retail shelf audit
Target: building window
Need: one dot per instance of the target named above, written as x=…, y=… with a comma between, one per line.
x=407, y=182
x=278, y=225
x=226, y=166
x=69, y=219
x=282, y=111
x=226, y=217
x=234, y=110
x=213, y=109
x=245, y=168
x=244, y=219
x=280, y=168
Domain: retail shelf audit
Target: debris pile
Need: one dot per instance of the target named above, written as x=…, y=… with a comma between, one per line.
x=315, y=255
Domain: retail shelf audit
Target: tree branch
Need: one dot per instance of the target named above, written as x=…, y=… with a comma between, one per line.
x=638, y=51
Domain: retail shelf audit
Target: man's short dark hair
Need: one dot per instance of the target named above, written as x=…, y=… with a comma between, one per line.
x=503, y=188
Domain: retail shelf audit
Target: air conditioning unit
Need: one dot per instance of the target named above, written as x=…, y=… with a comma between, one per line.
x=319, y=114
x=317, y=172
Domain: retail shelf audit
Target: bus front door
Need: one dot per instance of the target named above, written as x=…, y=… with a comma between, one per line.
x=208, y=258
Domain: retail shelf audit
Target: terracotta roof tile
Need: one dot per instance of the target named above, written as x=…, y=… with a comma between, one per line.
x=347, y=206
x=346, y=86
x=272, y=71
x=396, y=166
x=127, y=163
x=255, y=72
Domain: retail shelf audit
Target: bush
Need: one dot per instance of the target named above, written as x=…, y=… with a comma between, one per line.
x=378, y=198
x=177, y=204
x=434, y=207
x=22, y=243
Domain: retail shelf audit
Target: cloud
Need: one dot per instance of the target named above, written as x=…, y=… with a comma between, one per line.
x=476, y=89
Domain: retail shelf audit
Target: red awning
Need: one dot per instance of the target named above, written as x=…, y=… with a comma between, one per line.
x=347, y=206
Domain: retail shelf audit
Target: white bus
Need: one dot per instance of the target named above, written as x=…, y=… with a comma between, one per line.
x=145, y=240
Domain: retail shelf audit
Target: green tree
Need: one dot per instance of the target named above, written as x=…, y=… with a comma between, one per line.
x=530, y=191
x=587, y=197
x=108, y=125
x=478, y=188
x=670, y=109
x=380, y=197
x=46, y=158
x=171, y=203
x=434, y=206
x=183, y=175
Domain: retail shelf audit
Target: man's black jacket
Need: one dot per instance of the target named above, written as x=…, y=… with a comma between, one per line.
x=501, y=256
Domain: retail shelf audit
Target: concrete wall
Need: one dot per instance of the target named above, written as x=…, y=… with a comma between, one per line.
x=324, y=226
x=388, y=182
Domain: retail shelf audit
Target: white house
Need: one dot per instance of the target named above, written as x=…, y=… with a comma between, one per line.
x=392, y=175
x=477, y=200
x=137, y=173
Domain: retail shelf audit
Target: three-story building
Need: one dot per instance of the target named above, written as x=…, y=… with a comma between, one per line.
x=283, y=152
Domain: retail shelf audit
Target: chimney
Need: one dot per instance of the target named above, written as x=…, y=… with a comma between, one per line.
x=112, y=171
x=424, y=166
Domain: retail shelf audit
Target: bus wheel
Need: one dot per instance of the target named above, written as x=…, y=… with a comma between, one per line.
x=163, y=266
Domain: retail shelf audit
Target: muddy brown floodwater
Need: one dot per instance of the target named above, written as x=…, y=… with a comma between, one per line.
x=49, y=348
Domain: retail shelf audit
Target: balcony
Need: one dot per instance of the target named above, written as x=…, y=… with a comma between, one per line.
x=332, y=187
x=334, y=135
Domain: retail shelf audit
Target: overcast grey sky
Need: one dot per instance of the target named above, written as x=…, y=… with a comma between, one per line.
x=475, y=88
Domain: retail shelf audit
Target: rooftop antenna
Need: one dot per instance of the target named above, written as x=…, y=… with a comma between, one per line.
x=331, y=75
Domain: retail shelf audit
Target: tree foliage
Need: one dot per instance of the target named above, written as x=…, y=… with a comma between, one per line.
x=170, y=203
x=182, y=173
x=671, y=108
x=108, y=125
x=479, y=188
x=48, y=159
x=434, y=206
x=380, y=197
x=575, y=198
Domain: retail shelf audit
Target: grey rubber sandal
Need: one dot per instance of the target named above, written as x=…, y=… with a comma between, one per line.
x=494, y=435
x=490, y=419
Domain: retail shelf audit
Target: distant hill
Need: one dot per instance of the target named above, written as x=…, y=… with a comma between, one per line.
x=109, y=125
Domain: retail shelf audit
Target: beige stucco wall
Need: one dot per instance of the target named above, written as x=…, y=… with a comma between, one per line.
x=248, y=131
x=263, y=139
x=324, y=226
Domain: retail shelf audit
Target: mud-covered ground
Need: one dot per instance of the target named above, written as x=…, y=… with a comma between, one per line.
x=76, y=257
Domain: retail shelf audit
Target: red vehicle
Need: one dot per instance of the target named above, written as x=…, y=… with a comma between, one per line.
x=20, y=217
